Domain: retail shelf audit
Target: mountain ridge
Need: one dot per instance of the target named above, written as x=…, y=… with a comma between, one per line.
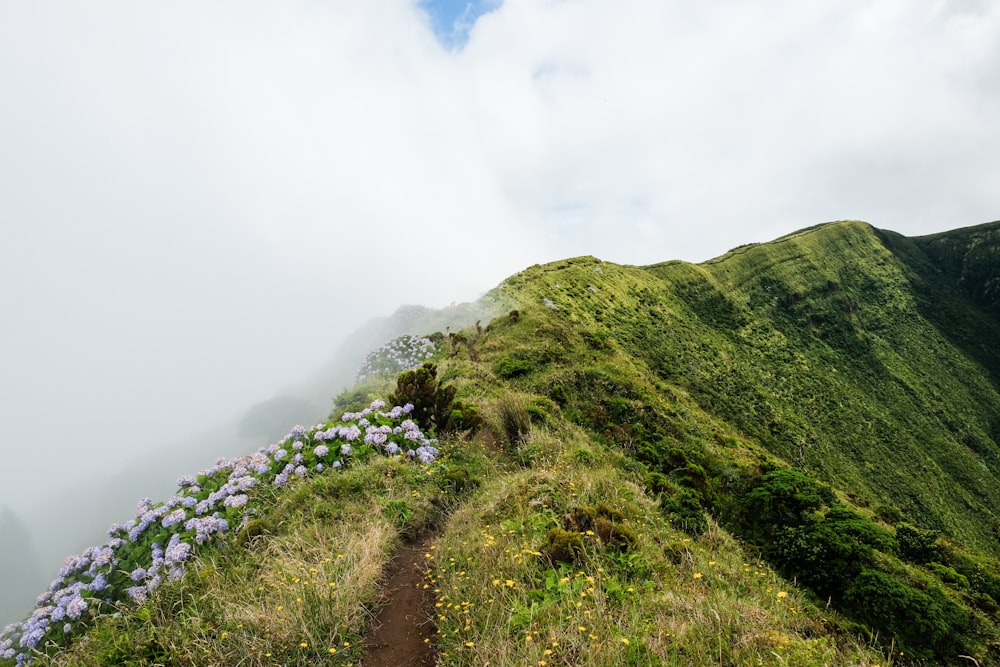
x=801, y=437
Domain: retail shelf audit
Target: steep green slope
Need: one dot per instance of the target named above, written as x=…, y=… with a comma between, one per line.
x=820, y=347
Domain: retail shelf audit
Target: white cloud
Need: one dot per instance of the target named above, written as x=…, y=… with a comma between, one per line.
x=197, y=199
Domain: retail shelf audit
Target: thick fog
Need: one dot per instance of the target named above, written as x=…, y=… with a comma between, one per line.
x=199, y=201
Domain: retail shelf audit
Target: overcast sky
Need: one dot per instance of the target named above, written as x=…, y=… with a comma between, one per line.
x=199, y=198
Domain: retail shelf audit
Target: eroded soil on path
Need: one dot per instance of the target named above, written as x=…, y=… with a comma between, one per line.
x=403, y=630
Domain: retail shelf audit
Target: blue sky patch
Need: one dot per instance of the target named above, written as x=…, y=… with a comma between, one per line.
x=452, y=20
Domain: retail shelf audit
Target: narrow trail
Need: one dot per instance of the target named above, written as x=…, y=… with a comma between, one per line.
x=404, y=621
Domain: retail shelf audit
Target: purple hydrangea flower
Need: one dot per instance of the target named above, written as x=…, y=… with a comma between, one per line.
x=177, y=553
x=138, y=594
x=236, y=501
x=76, y=607
x=99, y=583
x=321, y=451
x=175, y=517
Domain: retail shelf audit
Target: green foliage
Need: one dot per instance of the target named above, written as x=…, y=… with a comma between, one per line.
x=509, y=368
x=949, y=576
x=820, y=555
x=434, y=403
x=563, y=546
x=823, y=551
x=419, y=387
x=916, y=545
x=889, y=513
x=253, y=529
x=463, y=417
x=606, y=523
x=683, y=508
x=924, y=622
x=515, y=422
x=457, y=480
x=398, y=512
x=783, y=498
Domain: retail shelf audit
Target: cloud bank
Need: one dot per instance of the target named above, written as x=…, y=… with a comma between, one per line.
x=197, y=200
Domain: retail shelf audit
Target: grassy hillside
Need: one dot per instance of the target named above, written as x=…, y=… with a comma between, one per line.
x=786, y=455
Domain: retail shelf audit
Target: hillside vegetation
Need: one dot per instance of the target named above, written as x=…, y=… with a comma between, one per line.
x=786, y=455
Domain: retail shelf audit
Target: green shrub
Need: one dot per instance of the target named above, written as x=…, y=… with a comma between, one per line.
x=434, y=404
x=253, y=529
x=607, y=523
x=514, y=421
x=916, y=545
x=509, y=368
x=949, y=576
x=783, y=498
x=584, y=456
x=684, y=511
x=889, y=513
x=656, y=482
x=456, y=480
x=819, y=556
x=925, y=623
x=431, y=402
x=463, y=417
x=563, y=546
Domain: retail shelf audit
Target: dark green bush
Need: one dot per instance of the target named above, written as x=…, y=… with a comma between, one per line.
x=431, y=402
x=851, y=524
x=607, y=523
x=434, y=404
x=819, y=556
x=253, y=529
x=916, y=545
x=563, y=546
x=783, y=498
x=889, y=514
x=684, y=511
x=656, y=482
x=463, y=417
x=456, y=480
x=949, y=576
x=924, y=623
x=509, y=368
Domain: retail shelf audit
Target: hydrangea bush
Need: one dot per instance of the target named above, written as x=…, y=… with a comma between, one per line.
x=155, y=545
x=398, y=355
